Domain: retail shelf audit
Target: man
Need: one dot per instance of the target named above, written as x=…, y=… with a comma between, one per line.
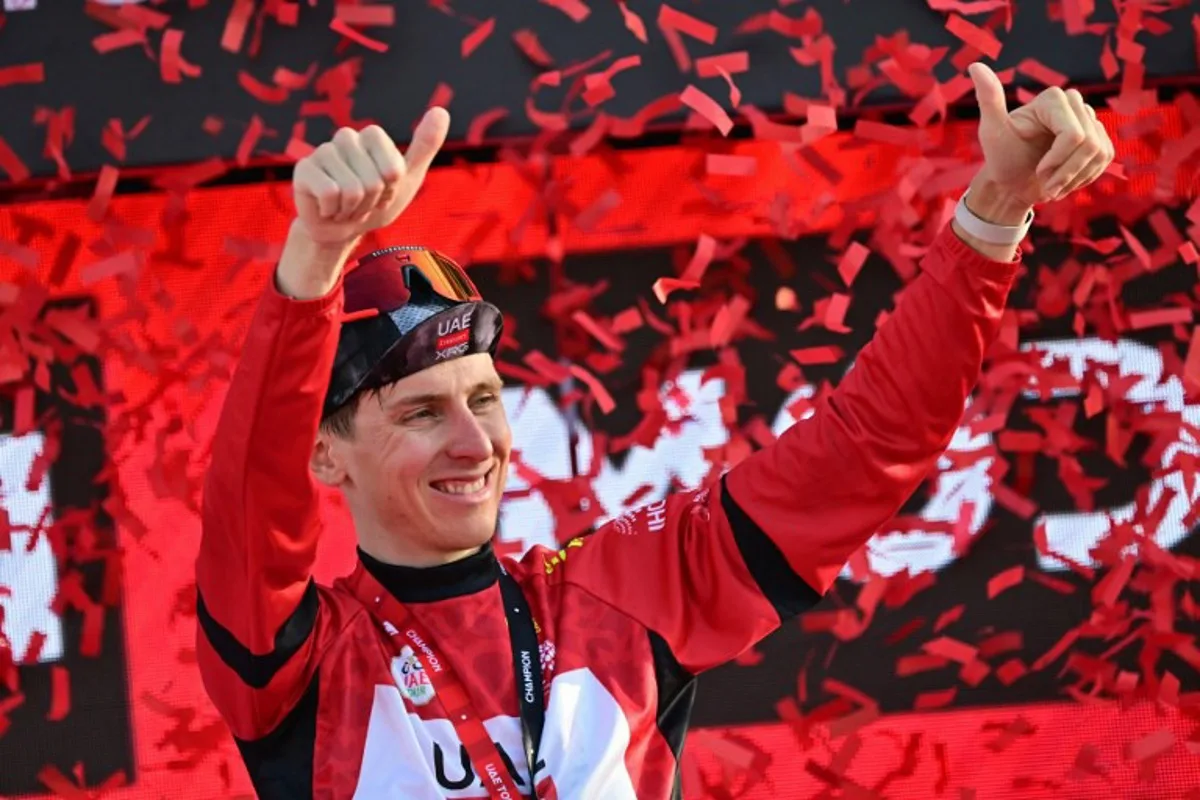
x=436, y=670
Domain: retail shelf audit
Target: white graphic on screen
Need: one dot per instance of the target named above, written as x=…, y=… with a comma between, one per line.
x=29, y=577
x=1074, y=534
x=542, y=436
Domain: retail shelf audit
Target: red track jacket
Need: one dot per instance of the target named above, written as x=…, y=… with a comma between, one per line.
x=629, y=615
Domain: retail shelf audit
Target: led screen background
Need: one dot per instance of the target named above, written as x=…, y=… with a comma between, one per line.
x=186, y=305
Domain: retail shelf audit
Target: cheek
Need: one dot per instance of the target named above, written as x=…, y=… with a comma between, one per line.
x=500, y=434
x=404, y=460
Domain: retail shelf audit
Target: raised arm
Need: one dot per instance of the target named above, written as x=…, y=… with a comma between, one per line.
x=832, y=480
x=262, y=620
x=712, y=572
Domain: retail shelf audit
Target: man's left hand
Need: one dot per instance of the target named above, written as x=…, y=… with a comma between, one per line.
x=1043, y=150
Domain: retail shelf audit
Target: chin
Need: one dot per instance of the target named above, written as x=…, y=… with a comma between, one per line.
x=466, y=528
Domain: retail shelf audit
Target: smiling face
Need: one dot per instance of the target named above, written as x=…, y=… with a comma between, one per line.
x=424, y=465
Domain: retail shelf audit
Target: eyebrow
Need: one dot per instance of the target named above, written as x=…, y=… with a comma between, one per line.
x=431, y=398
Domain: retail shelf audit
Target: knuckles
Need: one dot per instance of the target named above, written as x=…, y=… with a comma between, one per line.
x=345, y=136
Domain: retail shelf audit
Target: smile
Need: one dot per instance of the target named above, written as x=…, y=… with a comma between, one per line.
x=465, y=489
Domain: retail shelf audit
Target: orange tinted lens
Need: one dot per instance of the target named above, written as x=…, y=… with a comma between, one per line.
x=447, y=278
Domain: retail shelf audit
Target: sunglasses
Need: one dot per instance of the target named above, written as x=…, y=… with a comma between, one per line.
x=387, y=279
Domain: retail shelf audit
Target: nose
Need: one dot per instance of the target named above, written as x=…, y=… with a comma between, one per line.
x=469, y=438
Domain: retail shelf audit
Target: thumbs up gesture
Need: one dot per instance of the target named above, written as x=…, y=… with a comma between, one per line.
x=1041, y=151
x=359, y=182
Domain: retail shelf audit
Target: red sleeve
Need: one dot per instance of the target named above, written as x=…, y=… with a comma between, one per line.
x=261, y=616
x=713, y=572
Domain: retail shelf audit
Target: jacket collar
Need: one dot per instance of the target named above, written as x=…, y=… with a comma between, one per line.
x=468, y=575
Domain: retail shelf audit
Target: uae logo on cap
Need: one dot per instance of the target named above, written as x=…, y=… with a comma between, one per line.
x=454, y=335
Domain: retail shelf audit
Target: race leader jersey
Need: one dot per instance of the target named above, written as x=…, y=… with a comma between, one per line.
x=322, y=706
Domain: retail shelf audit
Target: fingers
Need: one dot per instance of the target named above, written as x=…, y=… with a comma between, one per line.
x=350, y=190
x=387, y=160
x=354, y=155
x=309, y=179
x=428, y=138
x=1086, y=151
x=357, y=173
x=1054, y=111
x=1106, y=151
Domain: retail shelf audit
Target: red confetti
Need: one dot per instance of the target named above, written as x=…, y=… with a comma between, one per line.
x=811, y=356
x=633, y=23
x=982, y=40
x=951, y=650
x=119, y=264
x=339, y=26
x=60, y=694
x=674, y=20
x=249, y=140
x=477, y=130
x=366, y=16
x=442, y=96
x=10, y=163
x=105, y=185
x=1035, y=69
x=577, y=10
x=173, y=66
x=1005, y=580
x=852, y=261
x=1141, y=320
x=528, y=43
x=927, y=701
x=727, y=63
x=740, y=166
x=235, y=25
x=477, y=37
x=603, y=399
x=1150, y=746
x=261, y=91
x=706, y=107
x=22, y=73
x=663, y=287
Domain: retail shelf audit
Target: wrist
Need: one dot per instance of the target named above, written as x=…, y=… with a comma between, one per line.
x=309, y=268
x=996, y=205
x=299, y=237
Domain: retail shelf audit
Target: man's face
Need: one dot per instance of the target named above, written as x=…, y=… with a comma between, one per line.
x=425, y=468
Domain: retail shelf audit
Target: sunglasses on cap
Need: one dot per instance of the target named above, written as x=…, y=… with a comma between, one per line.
x=384, y=280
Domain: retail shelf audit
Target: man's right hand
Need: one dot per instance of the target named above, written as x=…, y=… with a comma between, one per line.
x=353, y=184
x=358, y=181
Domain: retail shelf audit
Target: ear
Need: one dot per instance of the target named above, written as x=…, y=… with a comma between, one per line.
x=327, y=461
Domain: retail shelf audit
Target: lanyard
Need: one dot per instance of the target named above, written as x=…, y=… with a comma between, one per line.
x=406, y=631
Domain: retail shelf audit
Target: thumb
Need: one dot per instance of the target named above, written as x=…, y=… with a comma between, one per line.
x=427, y=139
x=989, y=93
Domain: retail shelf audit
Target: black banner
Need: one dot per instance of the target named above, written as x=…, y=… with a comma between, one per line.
x=189, y=69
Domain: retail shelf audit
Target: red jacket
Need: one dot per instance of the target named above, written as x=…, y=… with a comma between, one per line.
x=628, y=615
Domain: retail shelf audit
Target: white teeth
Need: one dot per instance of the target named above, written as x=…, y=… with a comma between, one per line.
x=461, y=487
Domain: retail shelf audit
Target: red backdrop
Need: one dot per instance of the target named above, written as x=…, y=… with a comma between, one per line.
x=199, y=257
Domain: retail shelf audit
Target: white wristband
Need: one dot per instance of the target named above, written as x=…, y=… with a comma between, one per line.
x=986, y=231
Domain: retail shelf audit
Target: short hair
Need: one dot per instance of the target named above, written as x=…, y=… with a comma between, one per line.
x=341, y=422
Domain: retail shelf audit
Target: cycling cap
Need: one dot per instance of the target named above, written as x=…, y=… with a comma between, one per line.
x=429, y=311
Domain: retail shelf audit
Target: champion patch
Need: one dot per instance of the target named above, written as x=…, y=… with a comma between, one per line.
x=410, y=676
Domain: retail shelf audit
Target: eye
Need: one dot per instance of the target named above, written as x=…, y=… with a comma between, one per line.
x=420, y=415
x=485, y=400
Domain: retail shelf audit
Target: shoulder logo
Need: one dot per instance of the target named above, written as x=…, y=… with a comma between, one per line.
x=410, y=676
x=553, y=561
